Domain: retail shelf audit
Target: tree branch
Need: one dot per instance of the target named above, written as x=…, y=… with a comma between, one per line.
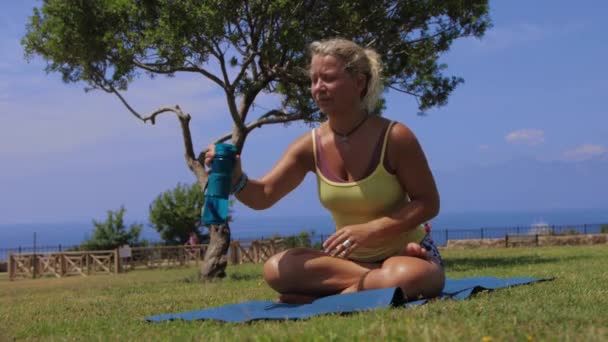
x=220, y=58
x=111, y=89
x=274, y=117
x=194, y=164
x=404, y=91
x=438, y=33
x=269, y=118
x=243, y=70
x=158, y=68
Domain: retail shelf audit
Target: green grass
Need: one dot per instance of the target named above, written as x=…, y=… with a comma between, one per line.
x=573, y=307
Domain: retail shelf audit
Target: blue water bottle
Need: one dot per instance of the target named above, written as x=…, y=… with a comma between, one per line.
x=215, y=210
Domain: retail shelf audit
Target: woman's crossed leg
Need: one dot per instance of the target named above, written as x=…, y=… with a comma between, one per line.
x=301, y=275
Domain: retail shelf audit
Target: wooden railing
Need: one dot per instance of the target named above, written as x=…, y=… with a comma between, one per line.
x=256, y=252
x=162, y=256
x=84, y=263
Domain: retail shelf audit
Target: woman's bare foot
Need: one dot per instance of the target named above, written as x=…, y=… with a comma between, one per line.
x=292, y=298
x=415, y=250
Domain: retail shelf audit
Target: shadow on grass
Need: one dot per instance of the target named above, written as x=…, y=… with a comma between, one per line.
x=244, y=276
x=195, y=277
x=465, y=264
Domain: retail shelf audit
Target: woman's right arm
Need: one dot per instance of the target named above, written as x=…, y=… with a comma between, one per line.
x=285, y=176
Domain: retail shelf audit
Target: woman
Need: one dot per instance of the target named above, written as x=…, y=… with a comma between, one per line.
x=372, y=176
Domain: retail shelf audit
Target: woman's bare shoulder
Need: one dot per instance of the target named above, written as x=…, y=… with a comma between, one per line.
x=401, y=136
x=302, y=150
x=402, y=146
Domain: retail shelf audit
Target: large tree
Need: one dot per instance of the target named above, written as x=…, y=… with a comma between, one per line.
x=247, y=48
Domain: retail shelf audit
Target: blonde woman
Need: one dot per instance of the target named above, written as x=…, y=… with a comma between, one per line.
x=374, y=179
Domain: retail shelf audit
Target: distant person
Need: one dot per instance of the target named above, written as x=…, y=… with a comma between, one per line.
x=192, y=239
x=372, y=176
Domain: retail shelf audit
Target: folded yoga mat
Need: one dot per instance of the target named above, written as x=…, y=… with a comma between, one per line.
x=343, y=303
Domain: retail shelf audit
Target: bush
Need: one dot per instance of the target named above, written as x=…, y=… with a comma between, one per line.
x=301, y=240
x=176, y=213
x=604, y=229
x=112, y=233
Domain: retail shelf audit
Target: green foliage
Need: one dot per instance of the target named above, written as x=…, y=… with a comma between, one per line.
x=604, y=229
x=108, y=43
x=301, y=240
x=175, y=213
x=112, y=232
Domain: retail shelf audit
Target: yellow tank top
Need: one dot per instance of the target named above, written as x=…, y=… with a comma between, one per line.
x=372, y=197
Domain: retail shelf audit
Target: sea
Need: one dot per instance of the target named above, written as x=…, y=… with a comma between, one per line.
x=255, y=227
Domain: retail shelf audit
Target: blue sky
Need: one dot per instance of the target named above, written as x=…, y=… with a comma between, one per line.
x=530, y=119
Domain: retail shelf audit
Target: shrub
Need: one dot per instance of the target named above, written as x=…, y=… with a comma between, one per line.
x=112, y=233
x=176, y=213
x=301, y=240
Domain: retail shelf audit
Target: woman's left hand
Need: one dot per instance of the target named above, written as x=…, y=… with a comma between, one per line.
x=343, y=242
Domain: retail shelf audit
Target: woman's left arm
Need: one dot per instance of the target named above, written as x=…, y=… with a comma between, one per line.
x=406, y=158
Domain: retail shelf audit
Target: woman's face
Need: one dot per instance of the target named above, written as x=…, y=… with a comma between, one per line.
x=334, y=89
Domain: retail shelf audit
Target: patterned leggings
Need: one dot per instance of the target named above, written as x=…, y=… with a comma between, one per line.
x=428, y=244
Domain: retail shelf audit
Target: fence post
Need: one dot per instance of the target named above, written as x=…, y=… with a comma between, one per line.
x=255, y=251
x=86, y=258
x=234, y=252
x=63, y=264
x=11, y=267
x=34, y=265
x=116, y=261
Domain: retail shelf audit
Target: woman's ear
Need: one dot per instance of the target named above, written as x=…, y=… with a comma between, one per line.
x=362, y=82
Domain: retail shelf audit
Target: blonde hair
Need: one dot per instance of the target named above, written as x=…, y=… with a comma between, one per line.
x=357, y=60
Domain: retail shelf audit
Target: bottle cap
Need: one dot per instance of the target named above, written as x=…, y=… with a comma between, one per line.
x=225, y=150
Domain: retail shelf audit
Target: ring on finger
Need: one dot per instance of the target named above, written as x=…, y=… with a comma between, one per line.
x=346, y=243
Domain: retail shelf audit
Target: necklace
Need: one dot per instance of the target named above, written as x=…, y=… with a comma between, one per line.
x=344, y=137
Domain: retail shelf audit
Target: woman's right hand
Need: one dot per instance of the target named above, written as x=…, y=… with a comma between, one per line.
x=236, y=172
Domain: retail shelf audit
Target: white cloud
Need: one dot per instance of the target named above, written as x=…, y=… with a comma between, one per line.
x=584, y=152
x=527, y=136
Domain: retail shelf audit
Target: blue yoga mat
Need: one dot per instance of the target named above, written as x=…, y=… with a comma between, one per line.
x=342, y=303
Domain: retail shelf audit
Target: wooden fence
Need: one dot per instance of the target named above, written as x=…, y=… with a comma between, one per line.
x=84, y=263
x=256, y=252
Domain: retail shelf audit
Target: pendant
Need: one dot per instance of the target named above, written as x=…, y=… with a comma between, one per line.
x=344, y=139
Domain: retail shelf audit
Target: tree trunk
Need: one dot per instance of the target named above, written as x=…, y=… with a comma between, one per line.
x=216, y=258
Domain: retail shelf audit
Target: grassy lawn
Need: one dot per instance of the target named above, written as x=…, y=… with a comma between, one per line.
x=573, y=307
